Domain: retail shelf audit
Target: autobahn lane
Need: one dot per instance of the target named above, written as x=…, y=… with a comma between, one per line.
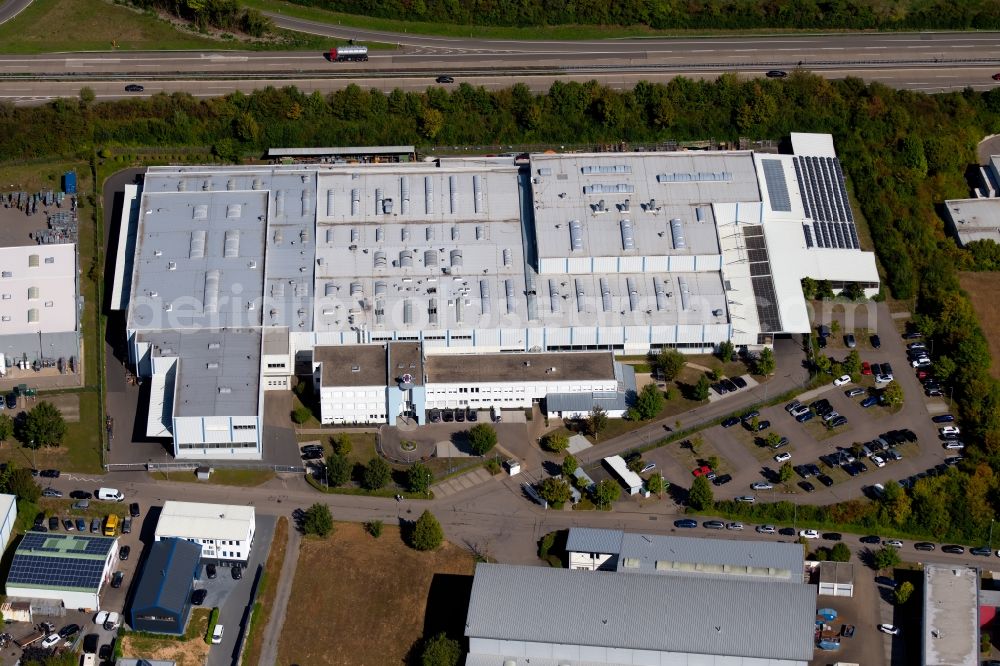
x=12, y=8
x=27, y=92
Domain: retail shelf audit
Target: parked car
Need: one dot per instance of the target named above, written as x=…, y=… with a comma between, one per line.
x=981, y=551
x=943, y=418
x=895, y=543
x=133, y=509
x=851, y=393
x=870, y=539
x=843, y=379
x=953, y=549
x=686, y=523
x=748, y=499
x=783, y=457
x=730, y=422
x=69, y=630
x=806, y=486
x=434, y=415
x=924, y=545
x=950, y=430
x=95, y=525
x=51, y=492
x=800, y=410
x=763, y=425
x=802, y=418
x=886, y=581
x=80, y=495
x=921, y=363
x=809, y=534
x=954, y=445
x=722, y=480
x=833, y=536
x=850, y=341
x=761, y=485
x=766, y=529
x=81, y=525
x=198, y=597
x=127, y=526
x=49, y=473
x=825, y=480
x=883, y=379
x=123, y=552
x=701, y=471
x=217, y=634
x=117, y=579
x=50, y=641
x=837, y=422
x=735, y=526
x=68, y=525
x=210, y=571
x=53, y=523
x=875, y=340
x=870, y=401
x=889, y=629
x=794, y=404
x=237, y=572
x=714, y=525
x=471, y=415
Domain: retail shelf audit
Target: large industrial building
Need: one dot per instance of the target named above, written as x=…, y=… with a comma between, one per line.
x=67, y=568
x=224, y=531
x=39, y=309
x=557, y=617
x=236, y=277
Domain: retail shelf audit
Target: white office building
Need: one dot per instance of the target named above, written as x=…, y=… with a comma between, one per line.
x=224, y=531
x=602, y=252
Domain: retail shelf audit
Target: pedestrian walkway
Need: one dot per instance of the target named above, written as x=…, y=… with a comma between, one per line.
x=461, y=482
x=272, y=632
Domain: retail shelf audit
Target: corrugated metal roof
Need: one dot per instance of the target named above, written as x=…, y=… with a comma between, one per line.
x=167, y=576
x=585, y=401
x=195, y=520
x=642, y=612
x=594, y=540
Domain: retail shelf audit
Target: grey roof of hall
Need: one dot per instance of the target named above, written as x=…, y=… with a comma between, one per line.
x=562, y=301
x=841, y=573
x=286, y=226
x=218, y=371
x=951, y=615
x=167, y=575
x=356, y=365
x=975, y=219
x=643, y=612
x=594, y=540
x=339, y=150
x=558, y=195
x=517, y=367
x=587, y=400
x=406, y=358
x=182, y=240
x=649, y=549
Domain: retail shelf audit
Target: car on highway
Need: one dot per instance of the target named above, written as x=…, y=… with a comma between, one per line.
x=134, y=87
x=766, y=529
x=871, y=539
x=890, y=629
x=730, y=422
x=854, y=392
x=783, y=457
x=843, y=379
x=809, y=534
x=895, y=543
x=444, y=79
x=714, y=525
x=943, y=418
x=761, y=485
x=686, y=523
x=923, y=545
x=776, y=74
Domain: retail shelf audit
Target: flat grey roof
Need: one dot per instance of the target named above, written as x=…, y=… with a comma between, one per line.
x=951, y=615
x=218, y=371
x=512, y=367
x=975, y=219
x=594, y=540
x=839, y=573
x=762, y=560
x=358, y=365
x=406, y=358
x=642, y=612
x=659, y=187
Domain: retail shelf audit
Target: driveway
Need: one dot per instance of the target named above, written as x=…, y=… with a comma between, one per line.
x=234, y=614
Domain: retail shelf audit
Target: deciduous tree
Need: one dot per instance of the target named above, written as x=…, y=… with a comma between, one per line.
x=650, y=402
x=700, y=497
x=569, y=465
x=419, y=478
x=427, y=533
x=482, y=438
x=607, y=493
x=554, y=490
x=597, y=421
x=376, y=474
x=338, y=470
x=317, y=520
x=44, y=426
x=441, y=651
x=556, y=441
x=765, y=362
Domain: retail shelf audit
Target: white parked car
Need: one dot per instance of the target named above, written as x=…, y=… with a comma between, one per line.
x=883, y=379
x=895, y=543
x=954, y=445
x=217, y=634
x=101, y=618
x=843, y=379
x=799, y=411
x=782, y=457
x=51, y=641
x=921, y=363
x=761, y=485
x=831, y=416
x=950, y=430
x=809, y=534
x=878, y=461
x=766, y=529
x=734, y=526
x=112, y=622
x=889, y=629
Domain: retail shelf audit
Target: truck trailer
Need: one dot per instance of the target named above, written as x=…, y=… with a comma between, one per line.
x=349, y=54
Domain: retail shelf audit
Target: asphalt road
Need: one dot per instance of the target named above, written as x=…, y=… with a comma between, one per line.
x=12, y=8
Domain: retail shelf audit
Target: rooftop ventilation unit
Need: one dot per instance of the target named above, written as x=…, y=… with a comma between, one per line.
x=511, y=299
x=429, y=233
x=677, y=233
x=456, y=233
x=430, y=258
x=355, y=289
x=330, y=289
x=378, y=199
x=605, y=295
x=480, y=232
x=633, y=294
x=453, y=193
x=456, y=258
x=661, y=294
x=611, y=168
x=225, y=390
x=307, y=202
x=484, y=297
x=197, y=247
x=404, y=195
x=628, y=237
x=575, y=235
x=234, y=211
x=171, y=265
x=379, y=234
x=355, y=202
x=405, y=259
x=459, y=310
x=330, y=198
x=601, y=188
x=232, y=244
x=507, y=257
x=428, y=195
x=381, y=288
x=380, y=259
x=212, y=291
x=581, y=295
x=685, y=293
x=200, y=212
x=554, y=300
x=257, y=184
x=432, y=311
x=279, y=203
x=477, y=192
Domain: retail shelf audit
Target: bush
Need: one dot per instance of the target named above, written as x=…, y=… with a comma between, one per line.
x=482, y=438
x=301, y=414
x=441, y=651
x=649, y=403
x=700, y=497
x=885, y=558
x=557, y=442
x=555, y=491
x=374, y=527
x=494, y=467
x=903, y=593
x=213, y=619
x=427, y=533
x=317, y=520
x=376, y=474
x=419, y=478
x=840, y=553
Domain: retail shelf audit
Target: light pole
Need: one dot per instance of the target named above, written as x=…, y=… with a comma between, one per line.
x=991, y=533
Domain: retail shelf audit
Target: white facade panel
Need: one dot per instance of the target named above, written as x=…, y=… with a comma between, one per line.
x=631, y=264
x=588, y=561
x=69, y=599
x=579, y=265
x=681, y=263
x=8, y=515
x=355, y=404
x=605, y=265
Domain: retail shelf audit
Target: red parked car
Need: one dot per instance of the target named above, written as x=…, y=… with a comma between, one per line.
x=866, y=368
x=704, y=470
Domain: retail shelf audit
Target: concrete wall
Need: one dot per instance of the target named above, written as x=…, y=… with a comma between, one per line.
x=217, y=436
x=355, y=404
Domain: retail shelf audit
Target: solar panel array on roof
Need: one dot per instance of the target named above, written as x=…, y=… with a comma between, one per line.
x=824, y=197
x=765, y=297
x=777, y=188
x=808, y=235
x=67, y=572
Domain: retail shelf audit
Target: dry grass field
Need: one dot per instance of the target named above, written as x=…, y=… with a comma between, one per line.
x=361, y=601
x=984, y=291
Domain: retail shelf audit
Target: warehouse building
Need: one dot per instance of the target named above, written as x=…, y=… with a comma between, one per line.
x=951, y=615
x=39, y=308
x=558, y=617
x=605, y=252
x=224, y=531
x=163, y=596
x=67, y=568
x=614, y=550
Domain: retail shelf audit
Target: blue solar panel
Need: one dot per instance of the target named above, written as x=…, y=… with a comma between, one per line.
x=825, y=201
x=46, y=559
x=777, y=188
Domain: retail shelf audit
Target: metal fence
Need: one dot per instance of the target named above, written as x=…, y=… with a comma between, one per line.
x=191, y=466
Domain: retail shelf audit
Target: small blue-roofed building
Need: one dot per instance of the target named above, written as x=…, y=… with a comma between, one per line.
x=70, y=568
x=163, y=595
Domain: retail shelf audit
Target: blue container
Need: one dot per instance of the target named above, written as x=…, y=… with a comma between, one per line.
x=69, y=182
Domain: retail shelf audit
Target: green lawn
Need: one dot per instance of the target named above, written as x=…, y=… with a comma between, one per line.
x=97, y=25
x=559, y=32
x=245, y=478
